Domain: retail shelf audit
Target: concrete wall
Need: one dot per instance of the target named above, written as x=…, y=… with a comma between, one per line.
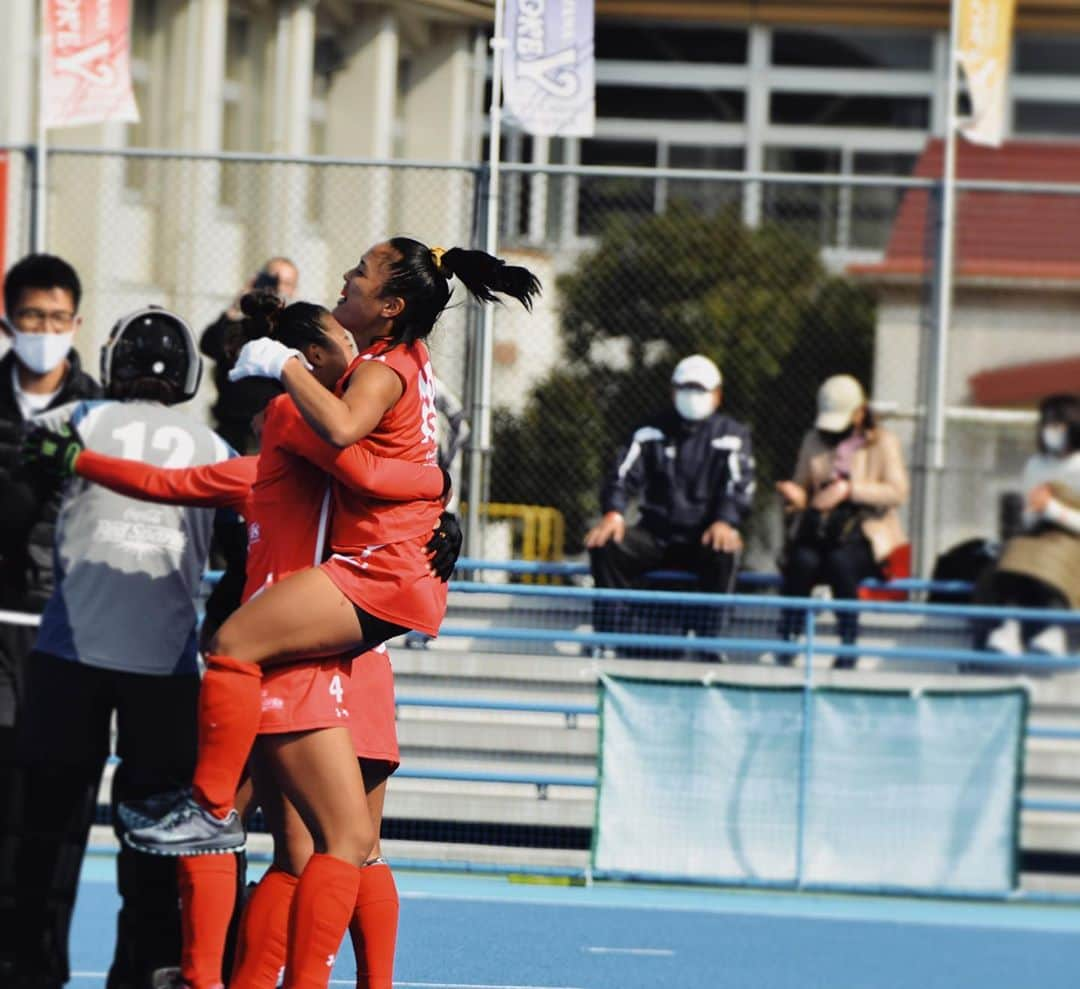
x=992, y=326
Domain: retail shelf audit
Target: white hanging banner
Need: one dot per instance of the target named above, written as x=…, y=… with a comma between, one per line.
x=87, y=77
x=549, y=73
x=984, y=47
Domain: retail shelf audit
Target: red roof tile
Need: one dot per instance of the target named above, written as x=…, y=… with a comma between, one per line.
x=1025, y=384
x=998, y=234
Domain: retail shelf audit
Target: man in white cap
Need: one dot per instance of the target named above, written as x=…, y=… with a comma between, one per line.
x=692, y=470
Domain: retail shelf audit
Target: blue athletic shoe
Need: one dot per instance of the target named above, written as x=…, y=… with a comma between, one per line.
x=189, y=830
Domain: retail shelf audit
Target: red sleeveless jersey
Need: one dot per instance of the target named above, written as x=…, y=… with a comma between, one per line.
x=406, y=432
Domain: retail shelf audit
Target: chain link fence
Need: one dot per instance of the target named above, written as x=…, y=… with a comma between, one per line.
x=784, y=280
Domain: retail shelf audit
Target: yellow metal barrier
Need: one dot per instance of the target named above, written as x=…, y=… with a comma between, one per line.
x=542, y=532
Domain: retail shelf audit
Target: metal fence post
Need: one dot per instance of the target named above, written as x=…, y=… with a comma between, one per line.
x=478, y=453
x=805, y=742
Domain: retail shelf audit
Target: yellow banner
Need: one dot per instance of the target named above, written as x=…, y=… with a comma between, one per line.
x=984, y=50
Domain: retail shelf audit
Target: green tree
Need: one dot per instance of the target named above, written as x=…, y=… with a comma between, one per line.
x=757, y=301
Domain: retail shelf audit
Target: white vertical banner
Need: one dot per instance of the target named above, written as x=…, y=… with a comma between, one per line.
x=984, y=49
x=549, y=71
x=87, y=68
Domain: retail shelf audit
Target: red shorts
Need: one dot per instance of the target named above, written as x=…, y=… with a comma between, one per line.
x=357, y=693
x=392, y=582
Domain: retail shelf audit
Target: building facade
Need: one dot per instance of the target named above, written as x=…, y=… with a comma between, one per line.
x=239, y=89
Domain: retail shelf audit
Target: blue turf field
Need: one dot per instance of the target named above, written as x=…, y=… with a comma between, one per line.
x=473, y=932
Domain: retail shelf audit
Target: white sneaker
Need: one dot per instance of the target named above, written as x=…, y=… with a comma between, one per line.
x=1005, y=639
x=1050, y=642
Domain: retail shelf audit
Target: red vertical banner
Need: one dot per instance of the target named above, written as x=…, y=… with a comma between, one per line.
x=87, y=77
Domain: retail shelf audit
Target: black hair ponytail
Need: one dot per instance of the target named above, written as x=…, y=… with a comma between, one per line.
x=421, y=278
x=297, y=325
x=484, y=275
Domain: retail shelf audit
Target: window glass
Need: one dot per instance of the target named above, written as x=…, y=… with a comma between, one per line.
x=599, y=197
x=705, y=196
x=670, y=43
x=642, y=103
x=1034, y=117
x=1047, y=56
x=839, y=110
x=809, y=210
x=873, y=208
x=837, y=48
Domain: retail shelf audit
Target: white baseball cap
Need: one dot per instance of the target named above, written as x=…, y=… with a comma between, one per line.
x=838, y=399
x=697, y=369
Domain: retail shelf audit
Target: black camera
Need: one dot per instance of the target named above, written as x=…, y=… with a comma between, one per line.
x=266, y=281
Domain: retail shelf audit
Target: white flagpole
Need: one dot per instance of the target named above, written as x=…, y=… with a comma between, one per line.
x=40, y=155
x=937, y=399
x=481, y=449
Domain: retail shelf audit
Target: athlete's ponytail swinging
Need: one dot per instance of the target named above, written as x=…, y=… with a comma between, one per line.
x=421, y=279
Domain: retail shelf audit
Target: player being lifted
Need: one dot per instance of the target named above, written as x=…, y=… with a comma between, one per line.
x=376, y=585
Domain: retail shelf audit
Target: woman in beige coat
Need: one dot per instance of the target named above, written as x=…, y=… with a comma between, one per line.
x=849, y=481
x=1040, y=567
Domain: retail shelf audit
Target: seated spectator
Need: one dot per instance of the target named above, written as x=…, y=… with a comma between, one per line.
x=1040, y=567
x=693, y=470
x=239, y=401
x=849, y=481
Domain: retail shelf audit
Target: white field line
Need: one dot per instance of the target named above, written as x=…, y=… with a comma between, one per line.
x=653, y=952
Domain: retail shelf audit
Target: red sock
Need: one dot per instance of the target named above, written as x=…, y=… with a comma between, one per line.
x=230, y=708
x=374, y=927
x=264, y=932
x=207, y=897
x=322, y=905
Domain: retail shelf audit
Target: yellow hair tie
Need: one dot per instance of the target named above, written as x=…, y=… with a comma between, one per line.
x=437, y=256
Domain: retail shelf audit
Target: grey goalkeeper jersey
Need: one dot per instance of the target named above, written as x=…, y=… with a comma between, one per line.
x=127, y=571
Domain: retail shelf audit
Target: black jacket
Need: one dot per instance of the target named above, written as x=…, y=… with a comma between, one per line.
x=28, y=505
x=688, y=475
x=237, y=401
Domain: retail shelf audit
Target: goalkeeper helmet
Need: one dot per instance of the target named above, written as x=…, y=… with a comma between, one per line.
x=151, y=345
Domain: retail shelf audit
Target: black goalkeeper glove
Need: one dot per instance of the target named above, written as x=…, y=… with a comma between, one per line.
x=444, y=547
x=52, y=453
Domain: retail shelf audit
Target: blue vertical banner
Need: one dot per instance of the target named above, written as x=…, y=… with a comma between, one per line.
x=549, y=74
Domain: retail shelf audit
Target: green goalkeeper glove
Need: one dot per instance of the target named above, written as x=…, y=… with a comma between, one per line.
x=52, y=452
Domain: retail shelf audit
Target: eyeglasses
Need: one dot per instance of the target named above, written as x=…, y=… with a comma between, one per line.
x=34, y=319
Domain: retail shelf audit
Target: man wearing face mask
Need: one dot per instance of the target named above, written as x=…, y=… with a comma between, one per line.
x=39, y=372
x=692, y=470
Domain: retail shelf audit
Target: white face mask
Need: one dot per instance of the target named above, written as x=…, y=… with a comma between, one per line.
x=694, y=405
x=1054, y=438
x=42, y=352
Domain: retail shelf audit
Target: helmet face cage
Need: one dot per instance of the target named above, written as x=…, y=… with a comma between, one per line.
x=152, y=343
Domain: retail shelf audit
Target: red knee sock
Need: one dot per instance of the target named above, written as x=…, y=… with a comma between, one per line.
x=374, y=927
x=322, y=906
x=207, y=897
x=230, y=708
x=264, y=932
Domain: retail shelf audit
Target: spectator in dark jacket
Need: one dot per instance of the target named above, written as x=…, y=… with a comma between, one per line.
x=692, y=469
x=239, y=401
x=39, y=372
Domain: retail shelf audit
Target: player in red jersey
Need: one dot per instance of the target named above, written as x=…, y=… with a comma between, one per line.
x=286, y=512
x=374, y=587
x=295, y=698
